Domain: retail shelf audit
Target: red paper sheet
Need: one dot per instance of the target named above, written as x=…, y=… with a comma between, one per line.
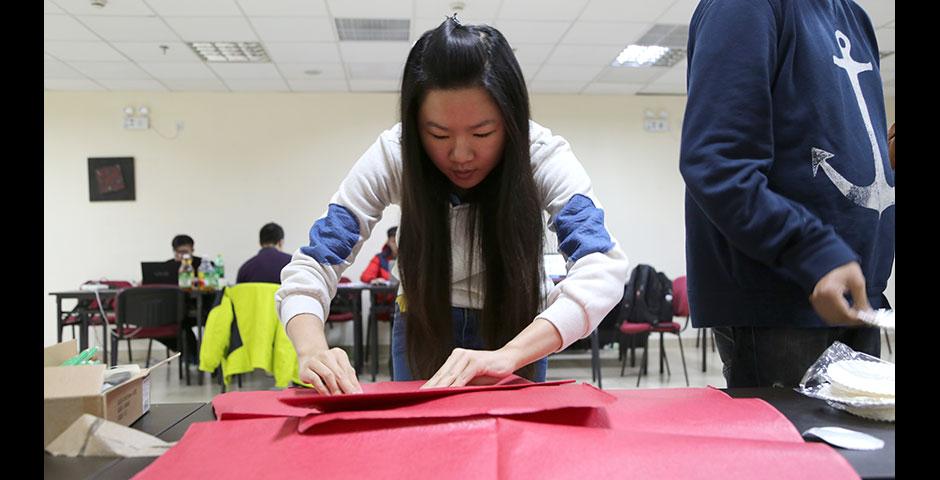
x=386, y=394
x=272, y=448
x=256, y=404
x=479, y=448
x=535, y=450
x=489, y=402
x=698, y=411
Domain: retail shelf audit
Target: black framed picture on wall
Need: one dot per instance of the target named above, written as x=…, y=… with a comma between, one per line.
x=110, y=179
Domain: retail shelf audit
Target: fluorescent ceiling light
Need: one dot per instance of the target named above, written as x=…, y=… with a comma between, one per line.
x=233, y=52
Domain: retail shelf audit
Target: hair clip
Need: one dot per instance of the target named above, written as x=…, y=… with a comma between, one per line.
x=454, y=18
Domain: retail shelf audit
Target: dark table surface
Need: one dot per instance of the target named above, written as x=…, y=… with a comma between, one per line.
x=170, y=421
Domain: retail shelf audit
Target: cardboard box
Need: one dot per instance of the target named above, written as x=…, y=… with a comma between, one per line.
x=70, y=391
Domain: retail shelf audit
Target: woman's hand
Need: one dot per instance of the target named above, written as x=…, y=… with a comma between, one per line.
x=329, y=371
x=479, y=367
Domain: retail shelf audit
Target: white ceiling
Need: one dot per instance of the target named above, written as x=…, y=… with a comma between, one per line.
x=563, y=46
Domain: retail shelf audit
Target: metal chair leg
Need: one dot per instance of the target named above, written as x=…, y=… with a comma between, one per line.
x=888, y=340
x=642, y=364
x=129, y=358
x=149, y=346
x=682, y=352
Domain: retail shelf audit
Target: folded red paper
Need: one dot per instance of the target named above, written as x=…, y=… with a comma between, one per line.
x=480, y=447
x=386, y=394
x=487, y=402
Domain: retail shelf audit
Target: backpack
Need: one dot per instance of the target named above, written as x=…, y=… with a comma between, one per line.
x=647, y=297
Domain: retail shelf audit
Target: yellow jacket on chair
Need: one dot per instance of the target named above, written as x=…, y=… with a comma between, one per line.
x=256, y=338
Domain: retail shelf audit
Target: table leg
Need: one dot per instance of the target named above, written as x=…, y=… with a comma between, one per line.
x=357, y=332
x=199, y=322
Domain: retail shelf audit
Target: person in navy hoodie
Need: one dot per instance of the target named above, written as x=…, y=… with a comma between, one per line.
x=267, y=264
x=789, y=192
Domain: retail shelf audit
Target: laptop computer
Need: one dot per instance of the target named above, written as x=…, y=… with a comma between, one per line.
x=159, y=273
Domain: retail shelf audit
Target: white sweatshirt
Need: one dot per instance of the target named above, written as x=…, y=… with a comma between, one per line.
x=597, y=267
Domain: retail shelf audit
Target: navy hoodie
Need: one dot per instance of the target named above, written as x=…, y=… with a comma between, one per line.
x=784, y=156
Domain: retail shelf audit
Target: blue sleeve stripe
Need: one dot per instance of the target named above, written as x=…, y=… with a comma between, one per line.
x=333, y=237
x=580, y=228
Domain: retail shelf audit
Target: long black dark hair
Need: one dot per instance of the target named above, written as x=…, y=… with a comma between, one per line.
x=504, y=207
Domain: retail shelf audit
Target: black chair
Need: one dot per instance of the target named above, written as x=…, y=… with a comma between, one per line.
x=382, y=308
x=151, y=312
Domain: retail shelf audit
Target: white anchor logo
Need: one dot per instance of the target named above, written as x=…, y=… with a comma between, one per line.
x=877, y=196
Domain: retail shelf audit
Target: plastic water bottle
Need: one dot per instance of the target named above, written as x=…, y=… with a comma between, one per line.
x=219, y=270
x=205, y=269
x=186, y=272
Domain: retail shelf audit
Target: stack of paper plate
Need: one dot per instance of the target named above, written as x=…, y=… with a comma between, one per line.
x=861, y=387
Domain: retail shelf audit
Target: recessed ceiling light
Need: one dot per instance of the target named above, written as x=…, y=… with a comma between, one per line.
x=234, y=52
x=313, y=72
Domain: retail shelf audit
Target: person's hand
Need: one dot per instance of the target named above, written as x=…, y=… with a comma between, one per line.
x=891, y=145
x=828, y=298
x=476, y=367
x=329, y=371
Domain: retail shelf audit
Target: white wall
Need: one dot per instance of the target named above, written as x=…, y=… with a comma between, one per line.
x=245, y=159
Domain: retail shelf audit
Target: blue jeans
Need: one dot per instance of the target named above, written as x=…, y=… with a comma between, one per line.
x=466, y=335
x=780, y=356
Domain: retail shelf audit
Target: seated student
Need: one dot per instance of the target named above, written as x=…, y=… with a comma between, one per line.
x=267, y=264
x=381, y=265
x=473, y=175
x=184, y=245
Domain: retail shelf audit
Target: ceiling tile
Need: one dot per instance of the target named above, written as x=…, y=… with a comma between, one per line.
x=195, y=8
x=133, y=85
x=529, y=70
x=600, y=55
x=57, y=69
x=532, y=53
x=888, y=63
x=521, y=31
x=241, y=71
x=540, y=9
x=556, y=87
x=605, y=33
x=129, y=29
x=629, y=74
x=303, y=52
x=257, y=85
x=151, y=52
x=49, y=7
x=194, y=85
x=178, y=71
x=370, y=8
x=664, y=89
x=438, y=9
x=374, y=85
x=384, y=52
x=111, y=70
x=624, y=10
x=582, y=74
x=300, y=29
x=82, y=51
x=374, y=71
x=885, y=38
x=281, y=8
x=421, y=25
x=612, y=88
x=70, y=84
x=318, y=85
x=675, y=75
x=880, y=12
x=64, y=27
x=117, y=7
x=297, y=71
x=680, y=13
x=208, y=29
